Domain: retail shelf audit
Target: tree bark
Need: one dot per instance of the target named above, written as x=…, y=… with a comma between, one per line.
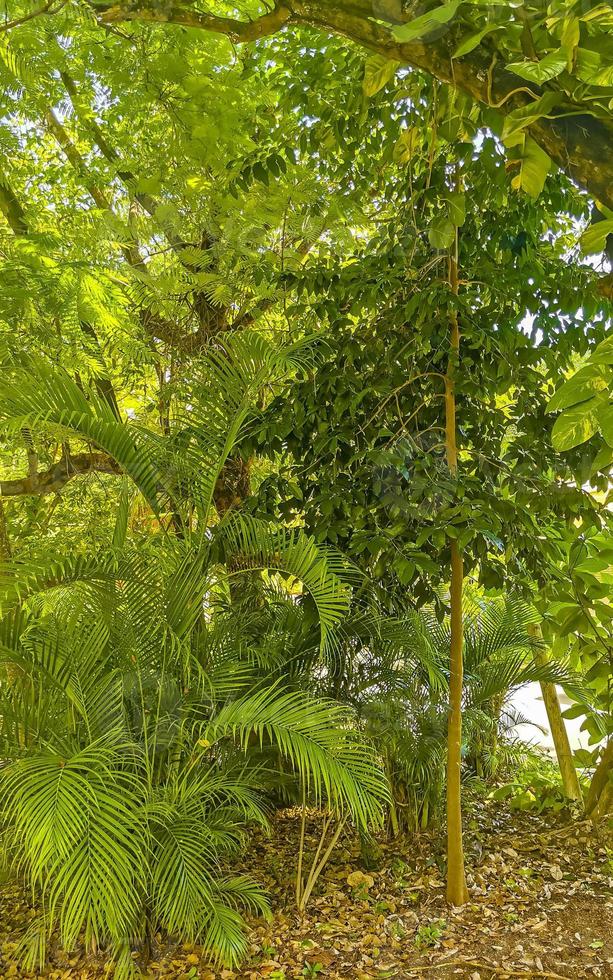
x=576, y=141
x=58, y=475
x=456, y=880
x=564, y=755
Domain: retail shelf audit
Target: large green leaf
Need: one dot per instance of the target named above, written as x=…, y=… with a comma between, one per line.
x=527, y=115
x=427, y=23
x=603, y=354
x=254, y=544
x=473, y=41
x=552, y=65
x=80, y=835
x=605, y=423
x=316, y=737
x=378, y=71
x=594, y=238
x=533, y=164
x=576, y=425
x=583, y=385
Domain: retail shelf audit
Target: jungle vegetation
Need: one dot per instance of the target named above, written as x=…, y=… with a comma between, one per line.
x=306, y=434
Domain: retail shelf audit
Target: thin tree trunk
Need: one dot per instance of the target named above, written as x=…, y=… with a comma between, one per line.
x=599, y=787
x=456, y=881
x=564, y=755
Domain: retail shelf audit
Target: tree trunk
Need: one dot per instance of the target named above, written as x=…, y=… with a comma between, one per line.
x=600, y=787
x=456, y=881
x=564, y=755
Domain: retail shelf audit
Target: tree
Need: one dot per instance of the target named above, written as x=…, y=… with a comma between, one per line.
x=365, y=432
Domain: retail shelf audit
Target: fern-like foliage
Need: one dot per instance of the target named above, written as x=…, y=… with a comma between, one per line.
x=134, y=758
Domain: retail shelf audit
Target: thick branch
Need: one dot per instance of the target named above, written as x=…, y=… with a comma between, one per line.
x=580, y=145
x=238, y=31
x=58, y=475
x=154, y=325
x=146, y=201
x=55, y=127
x=57, y=130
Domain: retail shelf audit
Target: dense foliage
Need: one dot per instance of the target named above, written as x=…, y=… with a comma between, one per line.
x=306, y=439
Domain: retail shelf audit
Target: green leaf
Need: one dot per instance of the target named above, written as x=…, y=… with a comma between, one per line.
x=593, y=239
x=571, y=32
x=457, y=208
x=604, y=77
x=552, y=65
x=407, y=144
x=527, y=115
x=426, y=23
x=592, y=565
x=587, y=382
x=404, y=569
x=473, y=41
x=441, y=233
x=603, y=354
x=378, y=71
x=605, y=423
x=587, y=65
x=575, y=711
x=602, y=12
x=576, y=425
x=260, y=172
x=533, y=164
x=603, y=460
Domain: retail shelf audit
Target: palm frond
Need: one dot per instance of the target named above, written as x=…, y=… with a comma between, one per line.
x=318, y=739
x=254, y=544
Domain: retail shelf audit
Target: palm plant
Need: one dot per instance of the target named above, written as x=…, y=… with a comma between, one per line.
x=133, y=713
x=499, y=659
x=394, y=674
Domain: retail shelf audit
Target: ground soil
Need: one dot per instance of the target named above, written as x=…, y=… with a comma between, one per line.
x=541, y=905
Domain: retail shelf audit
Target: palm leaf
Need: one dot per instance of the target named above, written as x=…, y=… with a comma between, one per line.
x=318, y=739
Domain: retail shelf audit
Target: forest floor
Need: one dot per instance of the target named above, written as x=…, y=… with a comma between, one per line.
x=541, y=905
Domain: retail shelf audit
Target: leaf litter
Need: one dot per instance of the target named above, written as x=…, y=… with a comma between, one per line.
x=541, y=905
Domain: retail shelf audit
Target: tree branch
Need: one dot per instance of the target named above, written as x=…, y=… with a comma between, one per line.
x=8, y=25
x=58, y=475
x=154, y=325
x=580, y=145
x=238, y=31
x=146, y=201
